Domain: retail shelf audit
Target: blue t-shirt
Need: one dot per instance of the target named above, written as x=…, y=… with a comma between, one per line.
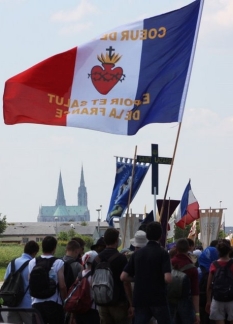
x=26, y=301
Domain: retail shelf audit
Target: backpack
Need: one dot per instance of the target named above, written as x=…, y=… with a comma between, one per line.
x=102, y=282
x=68, y=274
x=12, y=290
x=222, y=284
x=203, y=287
x=40, y=285
x=78, y=299
x=180, y=285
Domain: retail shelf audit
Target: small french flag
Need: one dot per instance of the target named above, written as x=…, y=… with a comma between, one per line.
x=189, y=208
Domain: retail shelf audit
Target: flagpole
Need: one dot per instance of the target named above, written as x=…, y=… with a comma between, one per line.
x=170, y=172
x=208, y=236
x=184, y=226
x=183, y=99
x=129, y=198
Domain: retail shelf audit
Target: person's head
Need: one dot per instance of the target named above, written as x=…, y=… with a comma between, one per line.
x=111, y=237
x=31, y=248
x=73, y=249
x=214, y=243
x=154, y=231
x=224, y=248
x=191, y=244
x=49, y=244
x=99, y=246
x=209, y=255
x=81, y=243
x=88, y=258
x=182, y=245
x=139, y=240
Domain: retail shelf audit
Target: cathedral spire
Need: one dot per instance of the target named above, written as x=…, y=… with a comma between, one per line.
x=82, y=191
x=82, y=183
x=60, y=201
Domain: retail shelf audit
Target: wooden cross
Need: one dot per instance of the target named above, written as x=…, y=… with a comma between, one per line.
x=154, y=160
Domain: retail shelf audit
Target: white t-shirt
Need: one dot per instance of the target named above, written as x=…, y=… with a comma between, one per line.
x=56, y=266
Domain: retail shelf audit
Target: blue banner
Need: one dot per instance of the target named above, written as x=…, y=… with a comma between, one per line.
x=121, y=189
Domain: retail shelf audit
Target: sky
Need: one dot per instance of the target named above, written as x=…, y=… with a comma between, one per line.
x=32, y=156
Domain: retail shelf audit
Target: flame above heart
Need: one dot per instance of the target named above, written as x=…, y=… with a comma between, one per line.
x=109, y=59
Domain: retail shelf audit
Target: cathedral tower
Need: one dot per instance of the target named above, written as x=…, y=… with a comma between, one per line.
x=60, y=212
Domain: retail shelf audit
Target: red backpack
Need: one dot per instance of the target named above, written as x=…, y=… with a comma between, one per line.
x=79, y=297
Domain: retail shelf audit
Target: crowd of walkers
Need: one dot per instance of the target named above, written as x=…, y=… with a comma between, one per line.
x=186, y=285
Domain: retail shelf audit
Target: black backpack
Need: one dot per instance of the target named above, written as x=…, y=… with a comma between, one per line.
x=40, y=285
x=180, y=286
x=222, y=284
x=12, y=290
x=203, y=287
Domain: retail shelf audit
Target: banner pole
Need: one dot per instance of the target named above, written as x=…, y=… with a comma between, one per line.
x=129, y=199
x=156, y=217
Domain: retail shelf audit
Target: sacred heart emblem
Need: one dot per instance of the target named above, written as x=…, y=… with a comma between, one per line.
x=105, y=77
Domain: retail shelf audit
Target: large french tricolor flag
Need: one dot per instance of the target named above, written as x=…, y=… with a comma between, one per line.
x=129, y=77
x=189, y=208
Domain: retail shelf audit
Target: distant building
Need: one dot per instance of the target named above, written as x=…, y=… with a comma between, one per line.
x=25, y=231
x=62, y=213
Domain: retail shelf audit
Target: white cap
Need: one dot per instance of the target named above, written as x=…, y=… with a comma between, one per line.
x=89, y=256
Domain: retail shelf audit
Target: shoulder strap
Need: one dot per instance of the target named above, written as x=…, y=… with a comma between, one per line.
x=187, y=266
x=97, y=259
x=217, y=265
x=229, y=263
x=13, y=266
x=23, y=266
x=87, y=275
x=38, y=259
x=49, y=261
x=114, y=256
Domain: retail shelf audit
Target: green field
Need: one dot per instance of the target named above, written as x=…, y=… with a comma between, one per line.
x=12, y=251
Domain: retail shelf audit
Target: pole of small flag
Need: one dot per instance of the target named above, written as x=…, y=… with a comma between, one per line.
x=168, y=213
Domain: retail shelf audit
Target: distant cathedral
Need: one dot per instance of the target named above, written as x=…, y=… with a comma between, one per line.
x=62, y=213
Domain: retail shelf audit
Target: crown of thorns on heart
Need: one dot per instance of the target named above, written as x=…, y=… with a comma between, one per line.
x=107, y=73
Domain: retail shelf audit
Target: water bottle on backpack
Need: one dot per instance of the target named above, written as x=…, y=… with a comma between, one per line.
x=52, y=274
